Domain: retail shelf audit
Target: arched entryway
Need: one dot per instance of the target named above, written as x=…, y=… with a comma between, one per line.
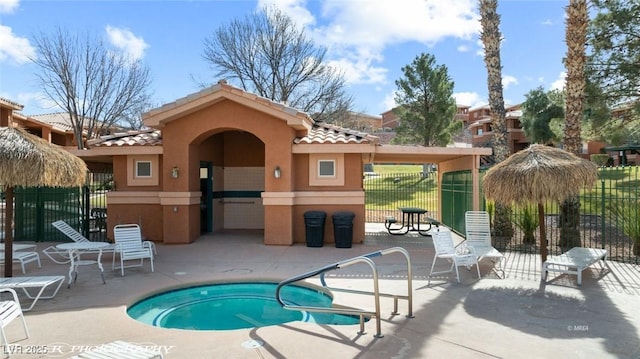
x=232, y=178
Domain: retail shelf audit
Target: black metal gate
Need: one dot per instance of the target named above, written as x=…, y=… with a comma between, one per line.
x=84, y=208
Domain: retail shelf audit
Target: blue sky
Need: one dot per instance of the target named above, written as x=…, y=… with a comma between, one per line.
x=369, y=40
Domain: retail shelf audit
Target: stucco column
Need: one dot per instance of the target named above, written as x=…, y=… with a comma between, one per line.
x=278, y=218
x=180, y=212
x=475, y=183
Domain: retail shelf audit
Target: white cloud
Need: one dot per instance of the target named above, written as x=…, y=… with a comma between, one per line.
x=294, y=8
x=559, y=83
x=33, y=102
x=375, y=24
x=8, y=6
x=126, y=41
x=547, y=22
x=389, y=101
x=357, y=32
x=359, y=72
x=472, y=99
x=14, y=48
x=37, y=102
x=508, y=80
x=463, y=48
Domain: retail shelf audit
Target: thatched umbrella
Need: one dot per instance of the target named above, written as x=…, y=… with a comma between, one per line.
x=536, y=175
x=29, y=161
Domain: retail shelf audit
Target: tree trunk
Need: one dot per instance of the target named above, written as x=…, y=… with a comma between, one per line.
x=502, y=226
x=569, y=223
x=576, y=38
x=490, y=22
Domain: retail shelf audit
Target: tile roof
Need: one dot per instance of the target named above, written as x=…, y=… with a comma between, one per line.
x=59, y=120
x=148, y=137
x=322, y=132
x=5, y=102
x=319, y=134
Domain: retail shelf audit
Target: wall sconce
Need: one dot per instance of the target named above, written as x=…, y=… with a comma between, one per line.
x=276, y=172
x=175, y=172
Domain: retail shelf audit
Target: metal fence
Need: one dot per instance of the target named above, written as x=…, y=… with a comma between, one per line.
x=84, y=208
x=385, y=192
x=609, y=212
x=609, y=218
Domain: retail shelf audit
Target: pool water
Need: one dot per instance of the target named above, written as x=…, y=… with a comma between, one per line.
x=228, y=306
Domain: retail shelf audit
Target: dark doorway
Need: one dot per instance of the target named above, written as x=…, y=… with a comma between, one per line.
x=206, y=200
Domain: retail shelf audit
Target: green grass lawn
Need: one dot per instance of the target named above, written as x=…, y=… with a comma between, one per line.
x=614, y=184
x=397, y=168
x=401, y=186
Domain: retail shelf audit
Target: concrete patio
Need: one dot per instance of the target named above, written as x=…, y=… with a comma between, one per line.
x=514, y=317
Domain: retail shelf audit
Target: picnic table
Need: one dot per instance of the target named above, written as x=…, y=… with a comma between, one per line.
x=412, y=219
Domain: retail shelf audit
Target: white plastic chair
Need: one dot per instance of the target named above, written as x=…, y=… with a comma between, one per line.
x=446, y=249
x=129, y=246
x=9, y=310
x=478, y=236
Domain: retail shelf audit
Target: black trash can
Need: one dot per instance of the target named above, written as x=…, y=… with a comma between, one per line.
x=343, y=229
x=314, y=227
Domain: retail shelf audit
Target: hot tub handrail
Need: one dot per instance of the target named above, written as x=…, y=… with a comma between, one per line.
x=322, y=270
x=408, y=297
x=306, y=275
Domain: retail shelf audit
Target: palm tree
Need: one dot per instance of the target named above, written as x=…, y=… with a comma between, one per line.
x=576, y=39
x=490, y=22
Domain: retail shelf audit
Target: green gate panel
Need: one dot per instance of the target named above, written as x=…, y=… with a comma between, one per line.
x=457, y=198
x=37, y=207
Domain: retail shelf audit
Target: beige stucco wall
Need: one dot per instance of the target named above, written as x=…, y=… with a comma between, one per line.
x=330, y=199
x=204, y=135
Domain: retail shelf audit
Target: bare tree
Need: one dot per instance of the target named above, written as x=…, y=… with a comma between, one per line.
x=270, y=56
x=96, y=86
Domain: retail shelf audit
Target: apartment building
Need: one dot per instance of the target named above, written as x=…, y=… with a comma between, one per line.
x=481, y=128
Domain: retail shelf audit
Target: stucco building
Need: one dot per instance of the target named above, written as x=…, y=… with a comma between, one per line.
x=225, y=159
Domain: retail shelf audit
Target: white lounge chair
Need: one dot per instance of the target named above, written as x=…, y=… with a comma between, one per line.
x=23, y=257
x=478, y=236
x=38, y=283
x=9, y=310
x=129, y=246
x=62, y=257
x=574, y=261
x=458, y=256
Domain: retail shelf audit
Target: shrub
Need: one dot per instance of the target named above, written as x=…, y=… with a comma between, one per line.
x=528, y=221
x=600, y=159
x=627, y=214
